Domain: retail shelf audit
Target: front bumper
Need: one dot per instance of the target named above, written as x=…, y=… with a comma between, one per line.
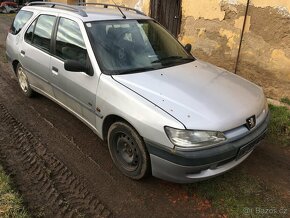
x=191, y=166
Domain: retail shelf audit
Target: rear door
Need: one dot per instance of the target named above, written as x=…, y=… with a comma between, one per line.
x=35, y=52
x=75, y=90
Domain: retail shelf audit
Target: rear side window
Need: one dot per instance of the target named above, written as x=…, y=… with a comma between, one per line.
x=69, y=41
x=29, y=33
x=40, y=31
x=20, y=20
x=43, y=31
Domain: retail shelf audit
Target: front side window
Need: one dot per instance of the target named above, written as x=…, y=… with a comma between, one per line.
x=130, y=46
x=43, y=31
x=69, y=41
x=20, y=20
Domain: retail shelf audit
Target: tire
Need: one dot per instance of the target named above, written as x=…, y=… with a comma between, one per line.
x=128, y=151
x=23, y=81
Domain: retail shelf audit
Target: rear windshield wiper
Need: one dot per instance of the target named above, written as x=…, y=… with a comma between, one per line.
x=172, y=58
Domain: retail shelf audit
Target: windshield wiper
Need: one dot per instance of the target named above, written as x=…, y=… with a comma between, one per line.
x=172, y=58
x=136, y=70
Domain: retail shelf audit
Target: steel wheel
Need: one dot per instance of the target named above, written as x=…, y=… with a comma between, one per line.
x=23, y=81
x=128, y=151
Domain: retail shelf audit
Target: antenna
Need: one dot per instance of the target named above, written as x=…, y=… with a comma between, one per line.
x=124, y=16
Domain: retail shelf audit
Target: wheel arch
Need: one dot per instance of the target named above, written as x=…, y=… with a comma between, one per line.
x=14, y=65
x=111, y=119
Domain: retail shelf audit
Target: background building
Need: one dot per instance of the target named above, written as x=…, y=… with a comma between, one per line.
x=214, y=28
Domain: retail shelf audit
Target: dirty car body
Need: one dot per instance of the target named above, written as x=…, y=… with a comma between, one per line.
x=161, y=110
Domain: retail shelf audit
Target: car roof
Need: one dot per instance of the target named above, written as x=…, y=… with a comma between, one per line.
x=90, y=13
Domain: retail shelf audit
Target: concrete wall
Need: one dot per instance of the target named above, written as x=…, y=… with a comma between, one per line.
x=213, y=27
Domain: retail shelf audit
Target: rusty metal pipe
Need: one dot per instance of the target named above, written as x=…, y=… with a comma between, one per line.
x=242, y=36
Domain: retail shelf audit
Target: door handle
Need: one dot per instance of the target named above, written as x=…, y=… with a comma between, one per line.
x=22, y=53
x=54, y=71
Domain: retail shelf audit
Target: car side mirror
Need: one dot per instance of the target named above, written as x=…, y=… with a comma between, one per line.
x=188, y=47
x=76, y=66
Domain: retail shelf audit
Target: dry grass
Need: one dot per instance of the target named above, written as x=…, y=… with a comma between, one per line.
x=11, y=204
x=279, y=128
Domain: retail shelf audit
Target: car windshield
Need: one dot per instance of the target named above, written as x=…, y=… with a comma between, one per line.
x=131, y=46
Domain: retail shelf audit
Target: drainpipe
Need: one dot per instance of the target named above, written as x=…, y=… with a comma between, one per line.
x=242, y=36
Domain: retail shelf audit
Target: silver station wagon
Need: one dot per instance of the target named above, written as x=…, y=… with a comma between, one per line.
x=161, y=111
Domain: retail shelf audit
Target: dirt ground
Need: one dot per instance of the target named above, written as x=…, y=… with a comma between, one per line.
x=63, y=170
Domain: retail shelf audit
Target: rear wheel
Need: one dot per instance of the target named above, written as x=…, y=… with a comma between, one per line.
x=23, y=81
x=128, y=151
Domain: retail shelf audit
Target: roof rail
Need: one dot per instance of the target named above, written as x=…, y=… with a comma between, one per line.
x=53, y=4
x=111, y=5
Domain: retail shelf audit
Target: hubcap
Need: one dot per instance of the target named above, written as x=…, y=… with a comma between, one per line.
x=127, y=152
x=22, y=78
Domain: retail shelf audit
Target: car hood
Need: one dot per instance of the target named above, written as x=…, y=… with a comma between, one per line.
x=199, y=95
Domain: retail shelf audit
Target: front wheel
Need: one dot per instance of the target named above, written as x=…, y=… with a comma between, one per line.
x=23, y=81
x=128, y=151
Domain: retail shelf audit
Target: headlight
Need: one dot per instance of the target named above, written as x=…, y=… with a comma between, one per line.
x=193, y=138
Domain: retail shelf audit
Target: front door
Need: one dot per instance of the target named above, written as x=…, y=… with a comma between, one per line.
x=75, y=90
x=168, y=13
